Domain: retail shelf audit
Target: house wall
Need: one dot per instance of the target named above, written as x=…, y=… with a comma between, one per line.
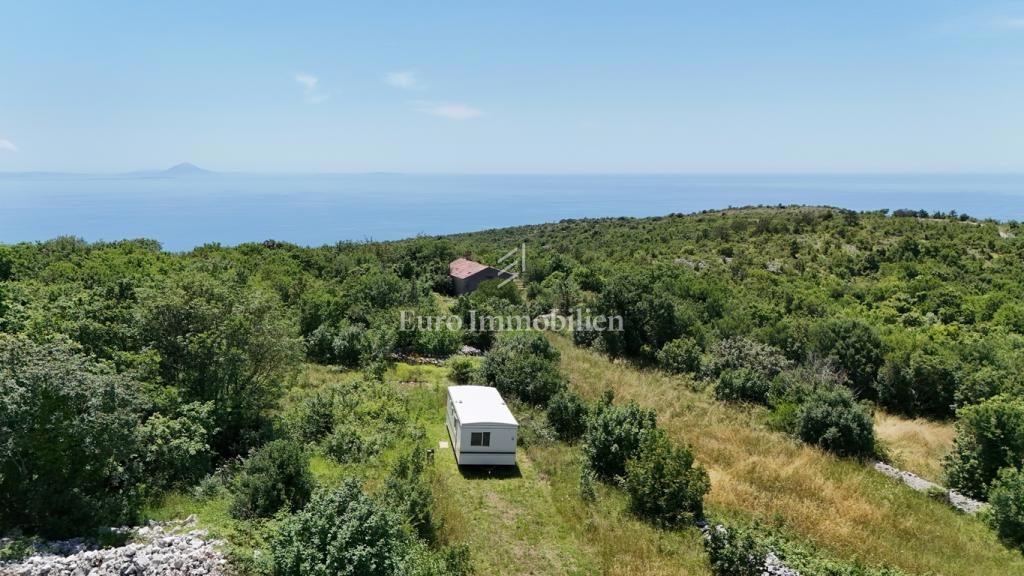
x=465, y=285
x=501, y=452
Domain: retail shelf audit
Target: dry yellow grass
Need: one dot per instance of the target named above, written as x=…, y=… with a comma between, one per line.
x=840, y=505
x=915, y=445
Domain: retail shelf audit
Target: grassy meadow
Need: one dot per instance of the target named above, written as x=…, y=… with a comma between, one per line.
x=532, y=520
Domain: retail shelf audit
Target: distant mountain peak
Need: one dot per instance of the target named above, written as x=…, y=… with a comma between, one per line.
x=186, y=168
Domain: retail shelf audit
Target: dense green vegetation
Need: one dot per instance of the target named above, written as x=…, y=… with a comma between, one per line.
x=128, y=374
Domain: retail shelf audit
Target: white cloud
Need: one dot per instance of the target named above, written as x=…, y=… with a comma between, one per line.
x=1012, y=23
x=308, y=81
x=310, y=84
x=7, y=146
x=453, y=111
x=404, y=79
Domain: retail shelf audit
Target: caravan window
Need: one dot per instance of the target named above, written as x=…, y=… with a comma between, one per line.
x=480, y=439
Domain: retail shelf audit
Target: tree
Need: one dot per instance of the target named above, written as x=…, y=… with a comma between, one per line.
x=831, y=418
x=649, y=318
x=275, y=476
x=857, y=349
x=663, y=482
x=567, y=414
x=69, y=453
x=680, y=355
x=1007, y=506
x=614, y=436
x=223, y=342
x=341, y=532
x=175, y=449
x=742, y=385
x=525, y=365
x=990, y=437
x=920, y=379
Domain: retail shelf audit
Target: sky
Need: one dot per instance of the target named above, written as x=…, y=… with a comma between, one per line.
x=513, y=87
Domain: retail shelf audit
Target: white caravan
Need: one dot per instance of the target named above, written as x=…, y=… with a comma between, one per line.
x=482, y=428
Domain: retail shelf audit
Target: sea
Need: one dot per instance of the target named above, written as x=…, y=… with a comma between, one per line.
x=185, y=211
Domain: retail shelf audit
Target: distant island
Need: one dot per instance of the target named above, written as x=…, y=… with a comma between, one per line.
x=186, y=169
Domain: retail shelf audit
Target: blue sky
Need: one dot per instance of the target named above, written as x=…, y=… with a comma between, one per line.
x=879, y=86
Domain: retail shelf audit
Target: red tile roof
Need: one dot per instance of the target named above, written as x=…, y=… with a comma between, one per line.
x=463, y=268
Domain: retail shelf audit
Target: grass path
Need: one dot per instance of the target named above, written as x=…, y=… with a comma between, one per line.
x=840, y=505
x=532, y=521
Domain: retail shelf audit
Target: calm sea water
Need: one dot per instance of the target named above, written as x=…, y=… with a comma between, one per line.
x=186, y=211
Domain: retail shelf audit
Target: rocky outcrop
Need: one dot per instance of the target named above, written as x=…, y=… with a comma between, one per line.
x=956, y=500
x=165, y=549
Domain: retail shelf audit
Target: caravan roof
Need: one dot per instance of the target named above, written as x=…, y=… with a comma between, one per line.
x=480, y=405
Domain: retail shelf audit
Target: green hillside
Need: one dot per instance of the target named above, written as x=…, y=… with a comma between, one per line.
x=782, y=350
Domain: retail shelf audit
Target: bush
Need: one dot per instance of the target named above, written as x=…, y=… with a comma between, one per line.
x=313, y=419
x=745, y=353
x=735, y=552
x=614, y=436
x=567, y=414
x=175, y=450
x=742, y=385
x=680, y=355
x=856, y=348
x=990, y=436
x=756, y=551
x=407, y=489
x=343, y=344
x=525, y=365
x=921, y=380
x=663, y=483
x=275, y=476
x=341, y=533
x=831, y=418
x=69, y=451
x=438, y=342
x=347, y=444
x=588, y=488
x=462, y=369
x=1007, y=512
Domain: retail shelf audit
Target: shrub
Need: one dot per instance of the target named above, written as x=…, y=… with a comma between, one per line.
x=340, y=533
x=347, y=444
x=313, y=419
x=745, y=353
x=680, y=355
x=613, y=437
x=438, y=342
x=567, y=414
x=742, y=385
x=275, y=476
x=588, y=488
x=1007, y=512
x=462, y=369
x=525, y=365
x=920, y=380
x=175, y=450
x=855, y=346
x=69, y=451
x=342, y=344
x=735, y=552
x=664, y=484
x=831, y=418
x=756, y=551
x=990, y=436
x=407, y=489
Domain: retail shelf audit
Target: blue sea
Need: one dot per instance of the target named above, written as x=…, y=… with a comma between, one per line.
x=186, y=211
